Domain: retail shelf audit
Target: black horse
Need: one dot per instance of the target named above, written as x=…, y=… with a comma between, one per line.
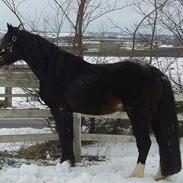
x=69, y=84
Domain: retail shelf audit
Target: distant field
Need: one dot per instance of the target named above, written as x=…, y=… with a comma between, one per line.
x=112, y=51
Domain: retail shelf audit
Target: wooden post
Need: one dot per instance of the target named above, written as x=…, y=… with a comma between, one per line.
x=8, y=98
x=77, y=136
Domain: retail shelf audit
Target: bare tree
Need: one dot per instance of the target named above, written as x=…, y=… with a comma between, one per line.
x=14, y=9
x=86, y=11
x=31, y=22
x=172, y=19
x=78, y=13
x=166, y=15
x=149, y=21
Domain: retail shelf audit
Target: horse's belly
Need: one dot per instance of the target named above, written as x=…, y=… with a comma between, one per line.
x=111, y=107
x=107, y=106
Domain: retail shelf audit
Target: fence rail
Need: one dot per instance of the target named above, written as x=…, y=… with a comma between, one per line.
x=25, y=78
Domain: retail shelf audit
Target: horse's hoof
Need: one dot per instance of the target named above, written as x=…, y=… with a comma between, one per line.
x=71, y=162
x=138, y=171
x=159, y=175
x=156, y=178
x=66, y=163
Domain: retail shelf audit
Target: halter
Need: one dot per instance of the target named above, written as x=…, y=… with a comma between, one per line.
x=9, y=46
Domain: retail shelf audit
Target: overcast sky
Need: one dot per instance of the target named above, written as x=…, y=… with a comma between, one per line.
x=32, y=8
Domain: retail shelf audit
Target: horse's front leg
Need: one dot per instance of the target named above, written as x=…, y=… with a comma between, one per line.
x=64, y=124
x=141, y=131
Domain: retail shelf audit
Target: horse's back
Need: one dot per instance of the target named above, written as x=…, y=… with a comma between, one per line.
x=107, y=87
x=129, y=76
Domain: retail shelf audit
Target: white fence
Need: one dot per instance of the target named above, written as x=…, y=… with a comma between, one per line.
x=78, y=136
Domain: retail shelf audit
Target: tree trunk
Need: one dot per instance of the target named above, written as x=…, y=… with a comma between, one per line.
x=78, y=39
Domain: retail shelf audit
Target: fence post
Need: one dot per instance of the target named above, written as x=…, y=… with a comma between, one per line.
x=77, y=136
x=8, y=97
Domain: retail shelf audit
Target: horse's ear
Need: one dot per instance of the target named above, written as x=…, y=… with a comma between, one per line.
x=9, y=26
x=19, y=26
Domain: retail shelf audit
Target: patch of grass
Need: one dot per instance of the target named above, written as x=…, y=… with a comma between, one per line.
x=40, y=151
x=37, y=151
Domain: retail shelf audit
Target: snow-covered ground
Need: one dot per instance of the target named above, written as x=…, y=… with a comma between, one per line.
x=115, y=169
x=119, y=161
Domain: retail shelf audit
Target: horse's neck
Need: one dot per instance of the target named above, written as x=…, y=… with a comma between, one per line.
x=35, y=68
x=48, y=62
x=40, y=61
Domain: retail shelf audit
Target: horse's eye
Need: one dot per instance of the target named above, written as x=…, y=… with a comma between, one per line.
x=14, y=38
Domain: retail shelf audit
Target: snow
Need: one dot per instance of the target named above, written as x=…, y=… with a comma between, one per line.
x=119, y=162
x=12, y=131
x=113, y=170
x=166, y=46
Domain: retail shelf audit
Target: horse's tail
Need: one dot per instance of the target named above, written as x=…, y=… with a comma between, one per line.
x=170, y=159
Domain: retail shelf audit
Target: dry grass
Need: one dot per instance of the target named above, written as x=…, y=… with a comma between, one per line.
x=38, y=151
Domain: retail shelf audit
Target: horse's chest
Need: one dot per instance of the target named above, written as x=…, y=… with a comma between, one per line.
x=52, y=96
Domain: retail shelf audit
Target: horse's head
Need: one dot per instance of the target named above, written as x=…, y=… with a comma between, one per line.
x=10, y=50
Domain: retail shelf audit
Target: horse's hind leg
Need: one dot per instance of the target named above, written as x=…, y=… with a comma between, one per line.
x=157, y=133
x=139, y=120
x=64, y=124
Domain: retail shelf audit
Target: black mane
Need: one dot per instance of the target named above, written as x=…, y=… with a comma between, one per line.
x=45, y=56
